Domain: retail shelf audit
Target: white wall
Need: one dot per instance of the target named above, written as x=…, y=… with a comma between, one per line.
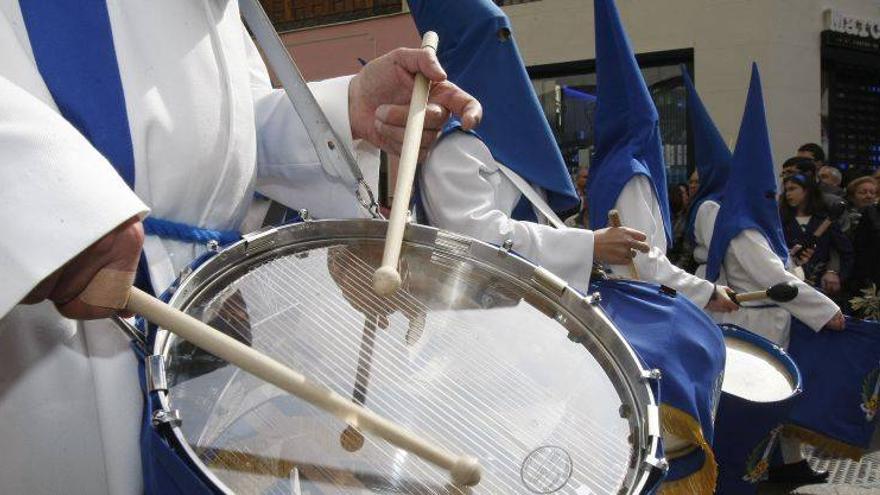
x=782, y=36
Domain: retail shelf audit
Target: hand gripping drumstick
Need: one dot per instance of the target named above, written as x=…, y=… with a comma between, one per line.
x=783, y=292
x=105, y=290
x=386, y=280
x=614, y=221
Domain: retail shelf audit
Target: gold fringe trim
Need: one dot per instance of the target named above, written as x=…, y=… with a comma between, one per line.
x=684, y=426
x=827, y=444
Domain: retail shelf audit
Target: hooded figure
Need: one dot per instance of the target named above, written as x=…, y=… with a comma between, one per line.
x=712, y=156
x=479, y=54
x=747, y=250
x=463, y=186
x=712, y=169
x=628, y=172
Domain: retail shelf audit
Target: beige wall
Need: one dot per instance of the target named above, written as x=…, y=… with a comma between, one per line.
x=783, y=36
x=331, y=51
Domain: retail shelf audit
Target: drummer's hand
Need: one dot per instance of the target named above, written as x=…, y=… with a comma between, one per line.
x=837, y=322
x=721, y=301
x=380, y=93
x=118, y=250
x=618, y=245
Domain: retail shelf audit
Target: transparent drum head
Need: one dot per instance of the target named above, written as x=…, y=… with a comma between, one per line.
x=473, y=353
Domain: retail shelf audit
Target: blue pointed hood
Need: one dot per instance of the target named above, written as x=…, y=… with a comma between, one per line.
x=750, y=193
x=711, y=154
x=479, y=54
x=627, y=124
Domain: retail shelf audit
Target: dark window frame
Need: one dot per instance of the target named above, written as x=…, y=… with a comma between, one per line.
x=645, y=60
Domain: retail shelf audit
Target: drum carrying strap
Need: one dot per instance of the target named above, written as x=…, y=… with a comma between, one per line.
x=529, y=192
x=331, y=153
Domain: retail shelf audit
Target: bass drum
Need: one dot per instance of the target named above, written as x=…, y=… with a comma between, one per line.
x=480, y=352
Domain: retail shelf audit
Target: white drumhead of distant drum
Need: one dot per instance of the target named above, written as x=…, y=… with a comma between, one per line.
x=754, y=374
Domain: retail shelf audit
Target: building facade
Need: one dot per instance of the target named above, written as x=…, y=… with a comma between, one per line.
x=819, y=61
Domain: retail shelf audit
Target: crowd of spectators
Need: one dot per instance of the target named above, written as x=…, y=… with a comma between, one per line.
x=842, y=259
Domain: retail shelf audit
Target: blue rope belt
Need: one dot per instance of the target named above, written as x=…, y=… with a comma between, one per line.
x=167, y=229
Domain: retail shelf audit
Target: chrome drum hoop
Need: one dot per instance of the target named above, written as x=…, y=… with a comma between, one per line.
x=631, y=380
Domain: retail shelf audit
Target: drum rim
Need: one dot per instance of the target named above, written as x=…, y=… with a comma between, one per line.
x=631, y=375
x=772, y=348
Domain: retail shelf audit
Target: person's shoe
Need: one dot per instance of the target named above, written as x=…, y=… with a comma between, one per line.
x=800, y=473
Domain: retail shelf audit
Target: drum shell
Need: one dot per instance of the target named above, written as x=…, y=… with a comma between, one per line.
x=743, y=427
x=172, y=439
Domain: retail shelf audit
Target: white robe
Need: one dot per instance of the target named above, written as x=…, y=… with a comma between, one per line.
x=639, y=210
x=464, y=191
x=751, y=265
x=205, y=127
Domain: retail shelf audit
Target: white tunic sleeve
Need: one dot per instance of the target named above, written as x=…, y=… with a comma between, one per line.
x=704, y=226
x=750, y=255
x=58, y=195
x=464, y=191
x=639, y=210
x=288, y=169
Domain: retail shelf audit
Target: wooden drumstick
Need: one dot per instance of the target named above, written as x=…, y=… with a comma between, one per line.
x=104, y=292
x=782, y=292
x=351, y=439
x=614, y=221
x=386, y=280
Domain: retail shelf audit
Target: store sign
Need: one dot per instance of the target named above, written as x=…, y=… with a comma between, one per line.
x=851, y=25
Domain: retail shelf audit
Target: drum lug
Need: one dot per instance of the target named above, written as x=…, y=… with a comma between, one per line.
x=661, y=463
x=259, y=240
x=652, y=374
x=594, y=299
x=549, y=280
x=305, y=215
x=449, y=243
x=155, y=370
x=507, y=246
x=167, y=417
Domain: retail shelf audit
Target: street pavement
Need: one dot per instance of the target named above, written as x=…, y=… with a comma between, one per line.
x=847, y=477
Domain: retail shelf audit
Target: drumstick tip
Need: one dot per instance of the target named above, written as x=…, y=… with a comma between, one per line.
x=386, y=281
x=466, y=471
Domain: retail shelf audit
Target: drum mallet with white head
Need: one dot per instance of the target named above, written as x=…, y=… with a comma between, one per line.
x=783, y=292
x=614, y=221
x=113, y=289
x=386, y=280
